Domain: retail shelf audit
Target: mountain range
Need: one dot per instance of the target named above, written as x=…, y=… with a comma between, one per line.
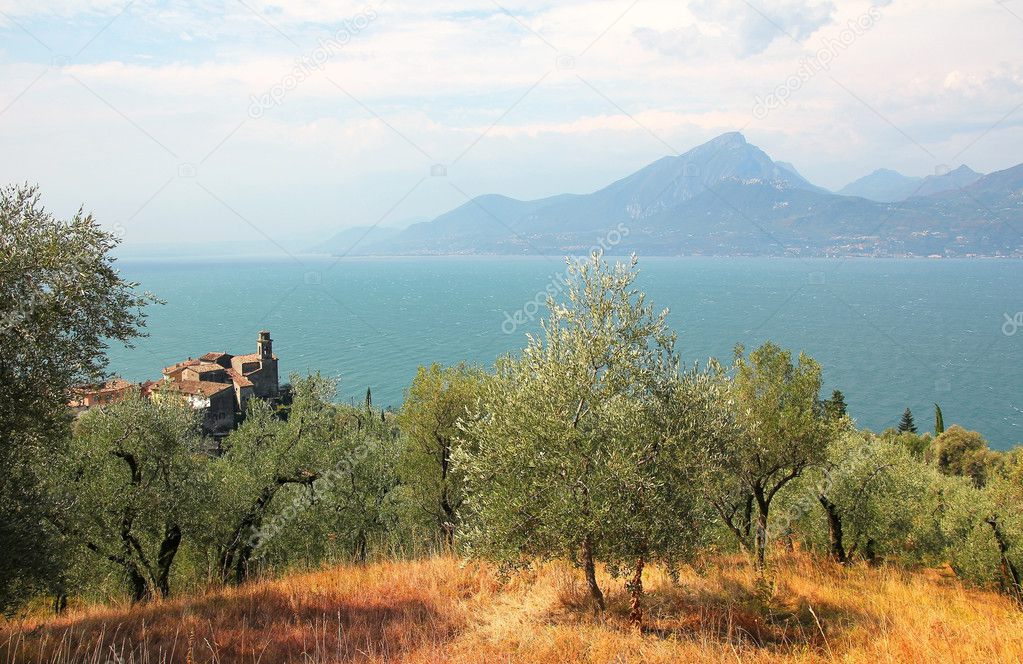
x=728, y=197
x=887, y=186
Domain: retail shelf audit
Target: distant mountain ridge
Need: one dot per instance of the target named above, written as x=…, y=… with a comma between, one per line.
x=728, y=197
x=887, y=186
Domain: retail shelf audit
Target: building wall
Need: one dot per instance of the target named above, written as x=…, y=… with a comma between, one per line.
x=265, y=381
x=242, y=396
x=219, y=416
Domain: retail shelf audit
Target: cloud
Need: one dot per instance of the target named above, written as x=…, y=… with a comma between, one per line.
x=754, y=26
x=662, y=123
x=677, y=42
x=440, y=74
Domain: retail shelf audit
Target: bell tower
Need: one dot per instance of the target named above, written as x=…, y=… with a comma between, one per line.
x=265, y=346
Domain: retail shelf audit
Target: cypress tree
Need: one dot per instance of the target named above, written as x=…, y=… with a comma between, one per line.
x=369, y=399
x=907, y=424
x=835, y=406
x=939, y=421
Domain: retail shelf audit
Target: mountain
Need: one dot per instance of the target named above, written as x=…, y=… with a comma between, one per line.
x=936, y=184
x=725, y=197
x=883, y=185
x=888, y=186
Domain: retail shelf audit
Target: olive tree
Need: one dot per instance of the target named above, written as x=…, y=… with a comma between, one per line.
x=867, y=497
x=61, y=302
x=126, y=488
x=268, y=456
x=1006, y=522
x=435, y=403
x=958, y=451
x=784, y=432
x=579, y=448
x=348, y=512
x=984, y=527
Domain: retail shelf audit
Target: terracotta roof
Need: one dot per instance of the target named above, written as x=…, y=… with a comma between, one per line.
x=214, y=357
x=238, y=360
x=206, y=366
x=239, y=380
x=84, y=392
x=112, y=385
x=193, y=387
x=180, y=365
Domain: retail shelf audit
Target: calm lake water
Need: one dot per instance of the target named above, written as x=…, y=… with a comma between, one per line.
x=889, y=333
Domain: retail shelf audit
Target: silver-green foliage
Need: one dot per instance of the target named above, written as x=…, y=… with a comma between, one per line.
x=127, y=490
x=782, y=432
x=870, y=498
x=62, y=301
x=585, y=445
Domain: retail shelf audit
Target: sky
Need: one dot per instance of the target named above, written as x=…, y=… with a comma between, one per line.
x=226, y=122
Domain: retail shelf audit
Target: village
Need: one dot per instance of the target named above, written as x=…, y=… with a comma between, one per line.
x=218, y=383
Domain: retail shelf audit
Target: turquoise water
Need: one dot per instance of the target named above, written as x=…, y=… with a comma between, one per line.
x=889, y=333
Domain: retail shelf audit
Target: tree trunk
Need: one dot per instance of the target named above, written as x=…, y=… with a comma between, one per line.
x=838, y=553
x=164, y=560
x=360, y=547
x=590, y=570
x=139, y=587
x=234, y=558
x=1010, y=575
x=447, y=526
x=635, y=588
x=761, y=534
x=869, y=553
x=238, y=551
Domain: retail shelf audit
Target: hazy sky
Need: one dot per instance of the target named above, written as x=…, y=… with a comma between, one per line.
x=210, y=121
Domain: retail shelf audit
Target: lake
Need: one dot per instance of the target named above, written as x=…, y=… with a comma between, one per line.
x=889, y=333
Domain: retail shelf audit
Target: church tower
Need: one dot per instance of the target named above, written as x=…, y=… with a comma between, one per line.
x=267, y=381
x=265, y=346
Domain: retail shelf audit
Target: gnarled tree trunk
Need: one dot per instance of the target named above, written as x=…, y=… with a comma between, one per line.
x=1010, y=575
x=834, y=529
x=760, y=537
x=635, y=588
x=237, y=552
x=165, y=558
x=590, y=570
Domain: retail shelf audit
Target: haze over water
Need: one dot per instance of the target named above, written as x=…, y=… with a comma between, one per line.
x=888, y=333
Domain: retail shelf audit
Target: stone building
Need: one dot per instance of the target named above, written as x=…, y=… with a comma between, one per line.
x=216, y=400
x=89, y=396
x=218, y=383
x=222, y=383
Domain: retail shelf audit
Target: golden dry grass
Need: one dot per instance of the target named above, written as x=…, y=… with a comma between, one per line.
x=445, y=610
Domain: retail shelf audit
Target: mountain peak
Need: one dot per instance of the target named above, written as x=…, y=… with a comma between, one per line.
x=727, y=139
x=963, y=170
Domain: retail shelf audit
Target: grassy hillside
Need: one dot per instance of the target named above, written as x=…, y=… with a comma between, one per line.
x=446, y=610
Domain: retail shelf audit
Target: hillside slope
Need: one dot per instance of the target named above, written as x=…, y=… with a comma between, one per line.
x=443, y=610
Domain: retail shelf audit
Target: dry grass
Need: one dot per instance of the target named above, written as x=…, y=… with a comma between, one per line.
x=442, y=610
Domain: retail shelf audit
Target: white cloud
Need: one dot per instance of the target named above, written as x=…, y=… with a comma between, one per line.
x=677, y=42
x=755, y=25
x=438, y=75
